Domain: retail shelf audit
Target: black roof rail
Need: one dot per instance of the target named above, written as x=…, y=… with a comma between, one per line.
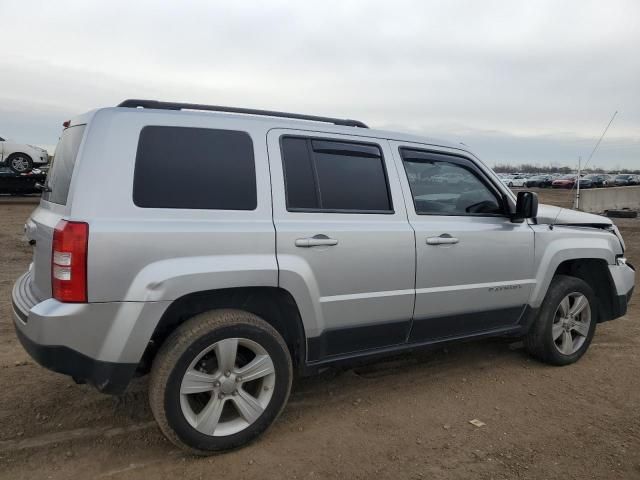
x=132, y=103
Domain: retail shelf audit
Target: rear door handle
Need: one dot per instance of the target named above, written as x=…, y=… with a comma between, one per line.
x=444, y=239
x=316, y=241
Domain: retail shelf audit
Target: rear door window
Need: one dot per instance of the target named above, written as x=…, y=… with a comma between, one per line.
x=334, y=176
x=194, y=168
x=64, y=161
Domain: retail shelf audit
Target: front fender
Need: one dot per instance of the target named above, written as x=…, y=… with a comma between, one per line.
x=552, y=247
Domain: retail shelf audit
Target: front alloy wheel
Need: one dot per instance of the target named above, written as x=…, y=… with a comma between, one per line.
x=20, y=163
x=566, y=322
x=572, y=323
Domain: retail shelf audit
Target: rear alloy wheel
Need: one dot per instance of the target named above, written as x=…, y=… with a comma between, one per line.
x=20, y=163
x=227, y=383
x=566, y=322
x=219, y=381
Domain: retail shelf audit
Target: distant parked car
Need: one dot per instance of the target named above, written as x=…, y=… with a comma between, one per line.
x=568, y=181
x=540, y=181
x=598, y=180
x=21, y=158
x=624, y=180
x=12, y=183
x=515, y=181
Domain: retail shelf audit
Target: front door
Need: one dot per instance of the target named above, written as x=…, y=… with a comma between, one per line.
x=344, y=246
x=474, y=266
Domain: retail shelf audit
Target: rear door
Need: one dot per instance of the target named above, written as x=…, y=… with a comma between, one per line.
x=53, y=207
x=344, y=246
x=474, y=266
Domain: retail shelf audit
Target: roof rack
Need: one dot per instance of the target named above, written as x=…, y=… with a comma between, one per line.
x=132, y=103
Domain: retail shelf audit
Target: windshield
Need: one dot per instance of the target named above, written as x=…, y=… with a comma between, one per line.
x=64, y=160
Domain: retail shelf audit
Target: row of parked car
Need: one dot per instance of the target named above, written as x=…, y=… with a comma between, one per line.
x=594, y=180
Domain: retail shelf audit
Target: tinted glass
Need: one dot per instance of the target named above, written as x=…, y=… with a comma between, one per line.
x=324, y=175
x=350, y=182
x=64, y=160
x=194, y=168
x=444, y=187
x=298, y=172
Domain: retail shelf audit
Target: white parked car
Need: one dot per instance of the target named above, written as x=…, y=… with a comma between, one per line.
x=21, y=158
x=515, y=181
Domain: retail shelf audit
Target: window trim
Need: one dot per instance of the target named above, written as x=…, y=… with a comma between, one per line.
x=309, y=139
x=468, y=164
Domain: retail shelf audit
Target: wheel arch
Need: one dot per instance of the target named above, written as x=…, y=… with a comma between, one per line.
x=274, y=305
x=595, y=272
x=14, y=154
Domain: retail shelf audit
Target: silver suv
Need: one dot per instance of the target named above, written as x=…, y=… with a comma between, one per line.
x=226, y=250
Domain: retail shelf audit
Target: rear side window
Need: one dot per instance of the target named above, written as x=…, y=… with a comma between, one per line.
x=194, y=168
x=64, y=160
x=334, y=176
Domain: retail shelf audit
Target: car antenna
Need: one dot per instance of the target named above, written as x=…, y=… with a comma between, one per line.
x=577, y=182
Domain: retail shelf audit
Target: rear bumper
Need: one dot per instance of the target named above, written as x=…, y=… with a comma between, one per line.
x=107, y=377
x=97, y=343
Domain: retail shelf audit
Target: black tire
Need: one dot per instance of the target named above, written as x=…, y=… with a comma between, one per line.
x=183, y=346
x=22, y=159
x=621, y=213
x=510, y=185
x=539, y=340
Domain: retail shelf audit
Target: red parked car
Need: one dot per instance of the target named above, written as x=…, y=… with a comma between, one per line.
x=568, y=181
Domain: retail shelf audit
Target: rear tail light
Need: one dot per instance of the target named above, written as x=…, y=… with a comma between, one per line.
x=69, y=262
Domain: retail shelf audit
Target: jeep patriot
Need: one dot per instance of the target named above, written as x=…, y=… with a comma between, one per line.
x=224, y=250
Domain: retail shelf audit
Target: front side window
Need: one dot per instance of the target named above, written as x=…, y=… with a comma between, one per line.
x=447, y=185
x=334, y=176
x=194, y=168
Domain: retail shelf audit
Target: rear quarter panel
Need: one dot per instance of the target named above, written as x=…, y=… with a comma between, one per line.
x=157, y=254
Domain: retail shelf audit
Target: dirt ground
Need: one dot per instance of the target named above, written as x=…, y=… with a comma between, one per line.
x=403, y=418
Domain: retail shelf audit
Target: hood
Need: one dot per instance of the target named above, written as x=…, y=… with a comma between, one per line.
x=548, y=213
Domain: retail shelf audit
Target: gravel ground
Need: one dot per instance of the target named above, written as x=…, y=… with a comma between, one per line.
x=407, y=417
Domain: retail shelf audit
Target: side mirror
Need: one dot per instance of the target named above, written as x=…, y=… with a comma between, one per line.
x=526, y=207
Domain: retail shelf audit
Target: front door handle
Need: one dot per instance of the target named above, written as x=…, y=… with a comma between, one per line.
x=316, y=241
x=444, y=239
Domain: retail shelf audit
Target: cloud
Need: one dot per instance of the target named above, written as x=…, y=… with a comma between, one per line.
x=517, y=79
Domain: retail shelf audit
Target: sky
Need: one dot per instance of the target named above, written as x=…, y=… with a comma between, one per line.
x=516, y=81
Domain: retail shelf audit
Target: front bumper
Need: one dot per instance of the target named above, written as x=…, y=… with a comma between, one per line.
x=623, y=276
x=97, y=343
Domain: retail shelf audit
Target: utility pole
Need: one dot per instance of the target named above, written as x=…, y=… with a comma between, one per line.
x=578, y=184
